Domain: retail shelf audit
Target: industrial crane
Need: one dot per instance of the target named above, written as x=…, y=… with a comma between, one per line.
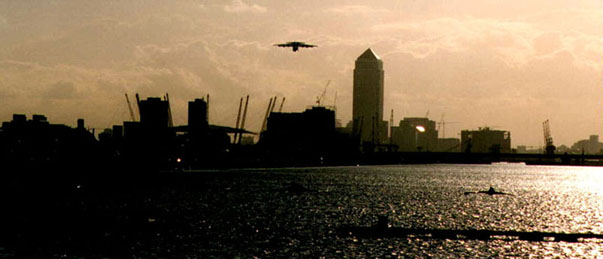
x=548, y=139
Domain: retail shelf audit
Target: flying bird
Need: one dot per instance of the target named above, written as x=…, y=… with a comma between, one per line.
x=295, y=45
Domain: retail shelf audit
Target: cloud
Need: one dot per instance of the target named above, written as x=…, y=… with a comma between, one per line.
x=61, y=90
x=355, y=10
x=509, y=72
x=497, y=72
x=238, y=6
x=3, y=22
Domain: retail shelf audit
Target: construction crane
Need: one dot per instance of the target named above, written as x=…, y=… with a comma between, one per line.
x=132, y=117
x=322, y=96
x=548, y=139
x=442, y=125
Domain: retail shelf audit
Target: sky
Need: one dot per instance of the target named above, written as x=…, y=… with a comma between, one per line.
x=508, y=65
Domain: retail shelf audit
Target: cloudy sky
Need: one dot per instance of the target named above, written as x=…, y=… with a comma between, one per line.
x=505, y=64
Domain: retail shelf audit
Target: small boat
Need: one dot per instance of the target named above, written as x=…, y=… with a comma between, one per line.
x=490, y=191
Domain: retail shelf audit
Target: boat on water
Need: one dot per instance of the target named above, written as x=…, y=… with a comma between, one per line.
x=490, y=191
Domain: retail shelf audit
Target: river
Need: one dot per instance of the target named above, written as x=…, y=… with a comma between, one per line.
x=294, y=212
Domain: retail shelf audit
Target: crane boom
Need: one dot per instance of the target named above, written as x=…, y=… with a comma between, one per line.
x=322, y=95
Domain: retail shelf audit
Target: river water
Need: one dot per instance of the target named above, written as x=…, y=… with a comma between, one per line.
x=294, y=212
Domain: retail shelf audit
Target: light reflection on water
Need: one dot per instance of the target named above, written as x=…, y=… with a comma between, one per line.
x=254, y=212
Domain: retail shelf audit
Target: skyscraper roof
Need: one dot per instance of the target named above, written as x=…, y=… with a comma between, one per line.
x=369, y=54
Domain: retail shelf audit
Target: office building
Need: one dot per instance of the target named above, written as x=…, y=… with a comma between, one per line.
x=415, y=134
x=367, y=109
x=311, y=130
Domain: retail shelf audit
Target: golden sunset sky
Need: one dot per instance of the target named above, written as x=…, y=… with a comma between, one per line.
x=506, y=64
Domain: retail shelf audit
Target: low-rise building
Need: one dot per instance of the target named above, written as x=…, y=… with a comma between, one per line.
x=486, y=140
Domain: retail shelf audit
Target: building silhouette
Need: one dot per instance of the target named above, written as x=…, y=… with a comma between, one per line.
x=368, y=122
x=486, y=140
x=415, y=134
x=197, y=114
x=588, y=146
x=28, y=142
x=154, y=112
x=299, y=132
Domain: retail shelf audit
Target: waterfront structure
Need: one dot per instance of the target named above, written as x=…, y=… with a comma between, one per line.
x=311, y=130
x=449, y=145
x=367, y=110
x=486, y=140
x=38, y=141
x=588, y=146
x=415, y=134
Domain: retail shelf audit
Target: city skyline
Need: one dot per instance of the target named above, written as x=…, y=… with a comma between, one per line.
x=506, y=65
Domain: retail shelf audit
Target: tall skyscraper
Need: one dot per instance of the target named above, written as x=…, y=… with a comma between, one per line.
x=368, y=98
